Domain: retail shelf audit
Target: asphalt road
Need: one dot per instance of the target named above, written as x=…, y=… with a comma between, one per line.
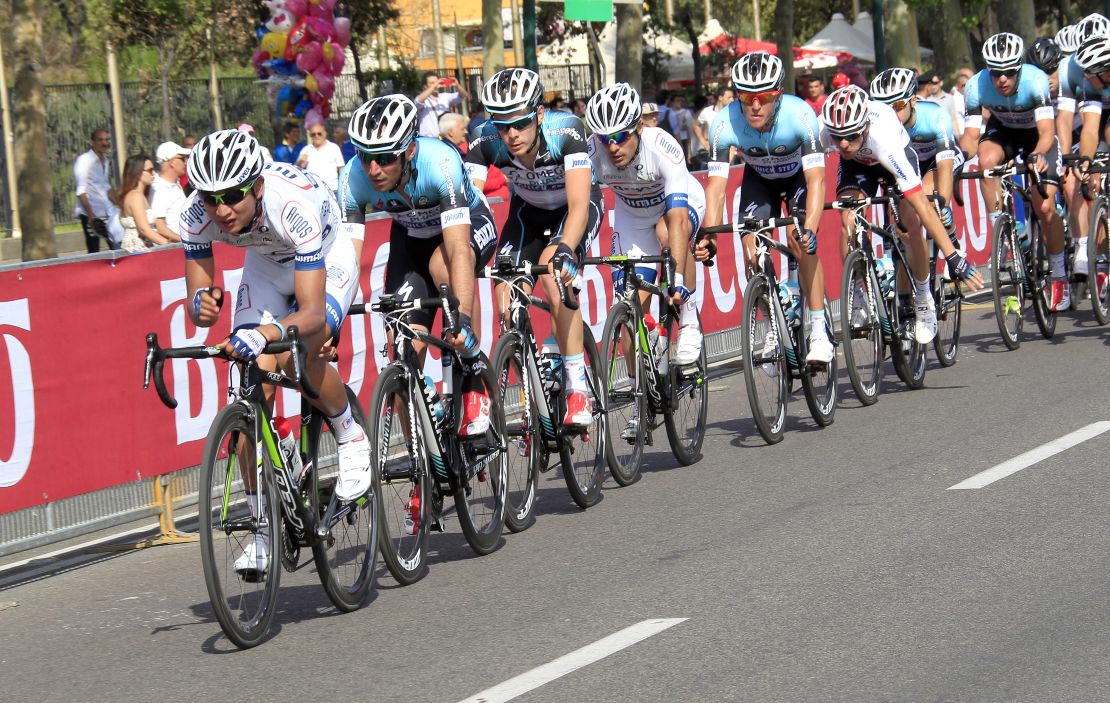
x=835, y=566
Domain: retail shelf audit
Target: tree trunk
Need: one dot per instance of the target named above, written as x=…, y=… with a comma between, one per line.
x=951, y=48
x=164, y=86
x=598, y=69
x=493, y=52
x=630, y=46
x=692, y=36
x=1017, y=16
x=358, y=71
x=784, y=37
x=35, y=193
x=901, y=35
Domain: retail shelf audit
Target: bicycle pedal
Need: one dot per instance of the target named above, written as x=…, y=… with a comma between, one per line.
x=252, y=575
x=437, y=525
x=648, y=440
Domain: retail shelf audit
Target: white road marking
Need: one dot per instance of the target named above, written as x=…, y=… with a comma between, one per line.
x=577, y=659
x=1032, y=456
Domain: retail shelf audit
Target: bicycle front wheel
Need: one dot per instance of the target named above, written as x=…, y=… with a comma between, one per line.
x=688, y=403
x=1039, y=269
x=240, y=516
x=948, y=299
x=1098, y=261
x=483, y=475
x=1008, y=289
x=765, y=367
x=582, y=450
x=906, y=352
x=403, y=475
x=818, y=380
x=345, y=557
x=624, y=372
x=860, y=331
x=518, y=402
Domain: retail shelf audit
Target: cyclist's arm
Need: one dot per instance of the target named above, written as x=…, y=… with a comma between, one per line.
x=929, y=218
x=973, y=117
x=579, y=182
x=1088, y=135
x=199, y=274
x=1046, y=135
x=944, y=178
x=456, y=240
x=1064, y=120
x=815, y=196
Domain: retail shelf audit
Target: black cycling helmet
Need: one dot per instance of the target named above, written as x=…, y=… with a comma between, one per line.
x=1044, y=54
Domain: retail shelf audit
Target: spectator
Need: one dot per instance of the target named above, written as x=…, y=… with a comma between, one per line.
x=339, y=136
x=557, y=103
x=167, y=195
x=322, y=157
x=855, y=75
x=930, y=86
x=135, y=214
x=681, y=122
x=663, y=102
x=188, y=142
x=452, y=129
x=649, y=114
x=248, y=129
x=92, y=172
x=477, y=119
x=431, y=104
x=578, y=107
x=705, y=117
x=289, y=151
x=840, y=80
x=963, y=75
x=815, y=95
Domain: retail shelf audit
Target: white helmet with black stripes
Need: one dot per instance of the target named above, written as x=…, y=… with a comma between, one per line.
x=1003, y=51
x=512, y=89
x=224, y=160
x=613, y=109
x=383, y=124
x=757, y=72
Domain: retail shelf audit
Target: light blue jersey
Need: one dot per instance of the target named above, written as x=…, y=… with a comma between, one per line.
x=438, y=193
x=790, y=144
x=1030, y=103
x=931, y=135
x=1077, y=94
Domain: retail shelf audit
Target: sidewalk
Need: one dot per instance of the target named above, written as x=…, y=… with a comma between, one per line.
x=68, y=243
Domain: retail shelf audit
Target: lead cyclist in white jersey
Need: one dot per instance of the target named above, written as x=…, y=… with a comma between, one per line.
x=646, y=169
x=300, y=269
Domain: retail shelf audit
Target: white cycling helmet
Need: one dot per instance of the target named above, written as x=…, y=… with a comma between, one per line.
x=1093, y=25
x=757, y=72
x=894, y=84
x=383, y=124
x=512, y=89
x=845, y=111
x=612, y=109
x=1068, y=39
x=224, y=160
x=1003, y=51
x=1093, y=55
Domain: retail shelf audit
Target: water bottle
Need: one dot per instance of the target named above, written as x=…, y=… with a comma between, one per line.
x=551, y=366
x=791, y=295
x=288, y=445
x=1022, y=231
x=662, y=345
x=652, y=328
x=435, y=405
x=886, y=271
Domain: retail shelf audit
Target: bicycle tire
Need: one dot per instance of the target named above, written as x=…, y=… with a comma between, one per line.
x=759, y=312
x=354, y=537
x=401, y=476
x=948, y=298
x=818, y=383
x=244, y=613
x=1039, y=270
x=860, y=331
x=518, y=402
x=1098, y=259
x=625, y=392
x=687, y=389
x=906, y=352
x=1007, y=291
x=584, y=475
x=480, y=493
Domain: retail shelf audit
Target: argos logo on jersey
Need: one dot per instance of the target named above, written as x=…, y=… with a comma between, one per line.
x=297, y=223
x=194, y=216
x=670, y=148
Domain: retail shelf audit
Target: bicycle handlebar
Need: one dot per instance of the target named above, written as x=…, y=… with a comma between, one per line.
x=891, y=198
x=505, y=267
x=156, y=357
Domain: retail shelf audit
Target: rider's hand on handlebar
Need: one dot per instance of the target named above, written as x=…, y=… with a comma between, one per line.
x=465, y=341
x=206, y=306
x=807, y=239
x=246, y=344
x=566, y=262
x=1038, y=161
x=706, y=248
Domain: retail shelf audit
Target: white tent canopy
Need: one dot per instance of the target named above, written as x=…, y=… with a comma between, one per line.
x=576, y=50
x=838, y=35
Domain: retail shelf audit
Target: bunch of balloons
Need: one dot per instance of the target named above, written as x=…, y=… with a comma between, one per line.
x=301, y=50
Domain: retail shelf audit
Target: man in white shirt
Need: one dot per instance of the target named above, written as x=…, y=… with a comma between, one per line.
x=322, y=157
x=431, y=104
x=681, y=122
x=962, y=77
x=168, y=195
x=92, y=174
x=705, y=117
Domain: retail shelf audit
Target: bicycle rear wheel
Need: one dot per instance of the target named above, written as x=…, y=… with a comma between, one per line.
x=234, y=521
x=906, y=352
x=625, y=391
x=403, y=475
x=522, y=435
x=483, y=475
x=818, y=380
x=948, y=299
x=1039, y=268
x=860, y=330
x=1098, y=261
x=688, y=403
x=765, y=369
x=1007, y=276
x=345, y=558
x=583, y=450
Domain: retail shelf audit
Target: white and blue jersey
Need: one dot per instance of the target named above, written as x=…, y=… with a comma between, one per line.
x=790, y=145
x=1030, y=103
x=931, y=134
x=436, y=195
x=1077, y=94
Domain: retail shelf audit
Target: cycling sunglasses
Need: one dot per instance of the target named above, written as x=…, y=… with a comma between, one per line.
x=900, y=104
x=517, y=123
x=1004, y=73
x=849, y=137
x=227, y=197
x=617, y=138
x=383, y=159
x=765, y=97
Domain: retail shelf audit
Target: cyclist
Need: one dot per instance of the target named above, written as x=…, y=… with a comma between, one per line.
x=1021, y=121
x=300, y=269
x=777, y=134
x=931, y=135
x=442, y=229
x=544, y=156
x=645, y=169
x=875, y=147
x=1093, y=60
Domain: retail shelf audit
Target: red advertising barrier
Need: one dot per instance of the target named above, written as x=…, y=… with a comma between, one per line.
x=74, y=417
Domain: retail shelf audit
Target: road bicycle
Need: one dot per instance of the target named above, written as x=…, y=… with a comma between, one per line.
x=421, y=459
x=948, y=297
x=251, y=490
x=774, y=336
x=529, y=384
x=643, y=378
x=1098, y=241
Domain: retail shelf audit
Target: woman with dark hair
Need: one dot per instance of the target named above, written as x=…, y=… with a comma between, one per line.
x=135, y=214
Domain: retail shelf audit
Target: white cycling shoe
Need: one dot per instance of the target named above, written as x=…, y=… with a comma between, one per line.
x=255, y=559
x=689, y=345
x=821, y=349
x=354, y=468
x=925, y=320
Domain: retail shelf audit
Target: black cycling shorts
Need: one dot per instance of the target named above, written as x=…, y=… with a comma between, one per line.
x=406, y=270
x=763, y=198
x=1023, y=141
x=524, y=236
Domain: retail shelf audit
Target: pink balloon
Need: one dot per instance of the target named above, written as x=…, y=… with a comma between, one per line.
x=313, y=54
x=343, y=31
x=313, y=118
x=320, y=12
x=325, y=84
x=296, y=7
x=319, y=28
x=327, y=4
x=305, y=65
x=338, y=57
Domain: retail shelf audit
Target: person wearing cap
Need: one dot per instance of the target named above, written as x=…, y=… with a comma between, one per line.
x=249, y=129
x=840, y=80
x=649, y=114
x=322, y=157
x=167, y=194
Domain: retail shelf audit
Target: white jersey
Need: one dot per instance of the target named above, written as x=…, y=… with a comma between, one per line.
x=656, y=180
x=296, y=227
x=887, y=144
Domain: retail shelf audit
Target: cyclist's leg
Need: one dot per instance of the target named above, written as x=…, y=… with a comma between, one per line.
x=853, y=181
x=812, y=275
x=635, y=235
x=1051, y=222
x=683, y=242
x=521, y=242
x=993, y=152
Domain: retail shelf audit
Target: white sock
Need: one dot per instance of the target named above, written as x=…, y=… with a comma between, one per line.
x=688, y=313
x=921, y=288
x=1057, y=261
x=1081, y=248
x=816, y=320
x=575, y=366
x=344, y=426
